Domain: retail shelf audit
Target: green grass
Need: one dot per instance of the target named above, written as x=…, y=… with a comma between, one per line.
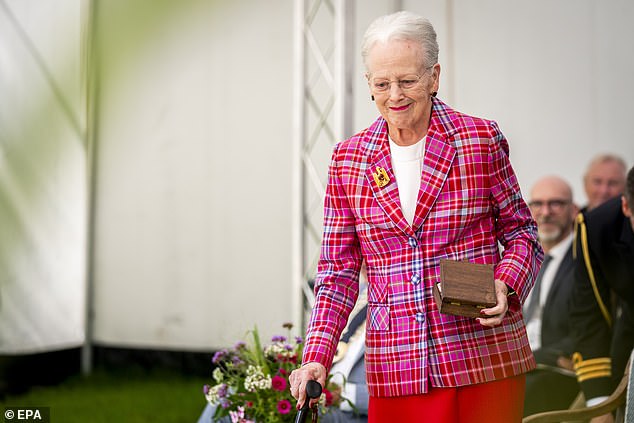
x=127, y=397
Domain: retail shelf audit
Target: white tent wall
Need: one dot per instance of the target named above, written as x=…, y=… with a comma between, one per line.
x=193, y=201
x=42, y=177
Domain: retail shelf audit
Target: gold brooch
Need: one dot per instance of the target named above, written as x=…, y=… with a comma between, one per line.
x=380, y=177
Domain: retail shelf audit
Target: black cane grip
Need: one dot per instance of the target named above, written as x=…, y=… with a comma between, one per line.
x=313, y=390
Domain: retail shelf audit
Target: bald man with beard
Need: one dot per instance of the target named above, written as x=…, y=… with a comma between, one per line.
x=546, y=311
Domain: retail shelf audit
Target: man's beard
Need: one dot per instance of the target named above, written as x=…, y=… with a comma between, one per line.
x=550, y=235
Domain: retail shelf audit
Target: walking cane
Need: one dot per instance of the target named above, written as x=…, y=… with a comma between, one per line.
x=313, y=390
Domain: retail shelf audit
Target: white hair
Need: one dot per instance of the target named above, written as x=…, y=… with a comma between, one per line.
x=402, y=25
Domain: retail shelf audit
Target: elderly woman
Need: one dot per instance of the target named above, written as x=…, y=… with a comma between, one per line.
x=423, y=183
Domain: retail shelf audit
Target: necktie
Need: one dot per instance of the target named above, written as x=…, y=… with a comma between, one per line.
x=533, y=304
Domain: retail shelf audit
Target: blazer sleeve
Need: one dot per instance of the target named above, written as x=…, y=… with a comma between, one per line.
x=515, y=228
x=336, y=284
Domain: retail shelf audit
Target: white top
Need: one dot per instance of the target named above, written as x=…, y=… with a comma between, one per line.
x=407, y=162
x=534, y=326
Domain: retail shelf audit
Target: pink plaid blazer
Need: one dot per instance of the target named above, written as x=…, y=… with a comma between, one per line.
x=469, y=201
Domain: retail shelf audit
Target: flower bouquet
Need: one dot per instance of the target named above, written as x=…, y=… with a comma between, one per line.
x=251, y=381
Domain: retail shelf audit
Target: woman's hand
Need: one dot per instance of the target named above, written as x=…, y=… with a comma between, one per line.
x=493, y=316
x=299, y=378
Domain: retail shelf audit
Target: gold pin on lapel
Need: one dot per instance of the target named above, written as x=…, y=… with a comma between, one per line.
x=380, y=177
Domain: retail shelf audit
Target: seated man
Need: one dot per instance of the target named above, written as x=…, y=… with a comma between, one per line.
x=604, y=179
x=552, y=385
x=603, y=296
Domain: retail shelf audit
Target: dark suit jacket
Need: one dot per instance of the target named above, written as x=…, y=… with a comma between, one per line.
x=556, y=339
x=611, y=250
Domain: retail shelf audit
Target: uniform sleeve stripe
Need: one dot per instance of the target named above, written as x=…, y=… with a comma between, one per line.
x=601, y=361
x=593, y=368
x=593, y=375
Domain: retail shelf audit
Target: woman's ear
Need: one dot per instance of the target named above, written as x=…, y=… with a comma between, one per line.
x=436, y=77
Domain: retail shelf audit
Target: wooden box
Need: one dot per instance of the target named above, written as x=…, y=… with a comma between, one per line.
x=464, y=288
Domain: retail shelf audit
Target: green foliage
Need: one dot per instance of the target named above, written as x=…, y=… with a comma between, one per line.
x=119, y=397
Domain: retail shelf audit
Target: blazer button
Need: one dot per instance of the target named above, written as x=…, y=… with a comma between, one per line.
x=415, y=279
x=412, y=242
x=420, y=317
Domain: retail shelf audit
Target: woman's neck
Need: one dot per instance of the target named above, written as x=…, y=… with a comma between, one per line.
x=406, y=136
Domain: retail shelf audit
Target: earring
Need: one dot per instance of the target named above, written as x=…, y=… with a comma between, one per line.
x=434, y=93
x=372, y=97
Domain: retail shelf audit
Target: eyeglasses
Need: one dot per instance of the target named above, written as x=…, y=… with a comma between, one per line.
x=408, y=82
x=556, y=205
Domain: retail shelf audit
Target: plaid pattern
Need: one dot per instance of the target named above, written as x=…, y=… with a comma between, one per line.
x=469, y=201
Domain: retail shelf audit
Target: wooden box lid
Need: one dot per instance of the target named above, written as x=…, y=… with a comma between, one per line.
x=464, y=288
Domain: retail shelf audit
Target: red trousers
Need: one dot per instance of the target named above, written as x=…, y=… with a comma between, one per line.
x=500, y=401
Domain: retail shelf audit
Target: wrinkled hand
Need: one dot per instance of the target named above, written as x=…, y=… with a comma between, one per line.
x=299, y=378
x=493, y=316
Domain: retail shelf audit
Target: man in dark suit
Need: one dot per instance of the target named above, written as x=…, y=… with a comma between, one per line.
x=546, y=312
x=603, y=297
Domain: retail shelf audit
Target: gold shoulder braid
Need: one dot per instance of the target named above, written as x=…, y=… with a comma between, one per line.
x=580, y=226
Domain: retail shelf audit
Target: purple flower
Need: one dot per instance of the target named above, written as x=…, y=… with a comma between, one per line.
x=284, y=406
x=218, y=356
x=239, y=345
x=237, y=361
x=223, y=390
x=299, y=339
x=206, y=389
x=278, y=338
x=278, y=383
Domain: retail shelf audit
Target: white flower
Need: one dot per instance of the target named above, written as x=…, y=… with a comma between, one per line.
x=278, y=349
x=212, y=394
x=218, y=375
x=256, y=379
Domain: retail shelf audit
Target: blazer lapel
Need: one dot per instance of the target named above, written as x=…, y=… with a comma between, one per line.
x=386, y=190
x=439, y=155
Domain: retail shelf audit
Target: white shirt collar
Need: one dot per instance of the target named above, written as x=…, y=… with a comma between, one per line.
x=559, y=250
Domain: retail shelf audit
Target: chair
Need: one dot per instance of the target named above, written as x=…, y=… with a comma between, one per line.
x=614, y=402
